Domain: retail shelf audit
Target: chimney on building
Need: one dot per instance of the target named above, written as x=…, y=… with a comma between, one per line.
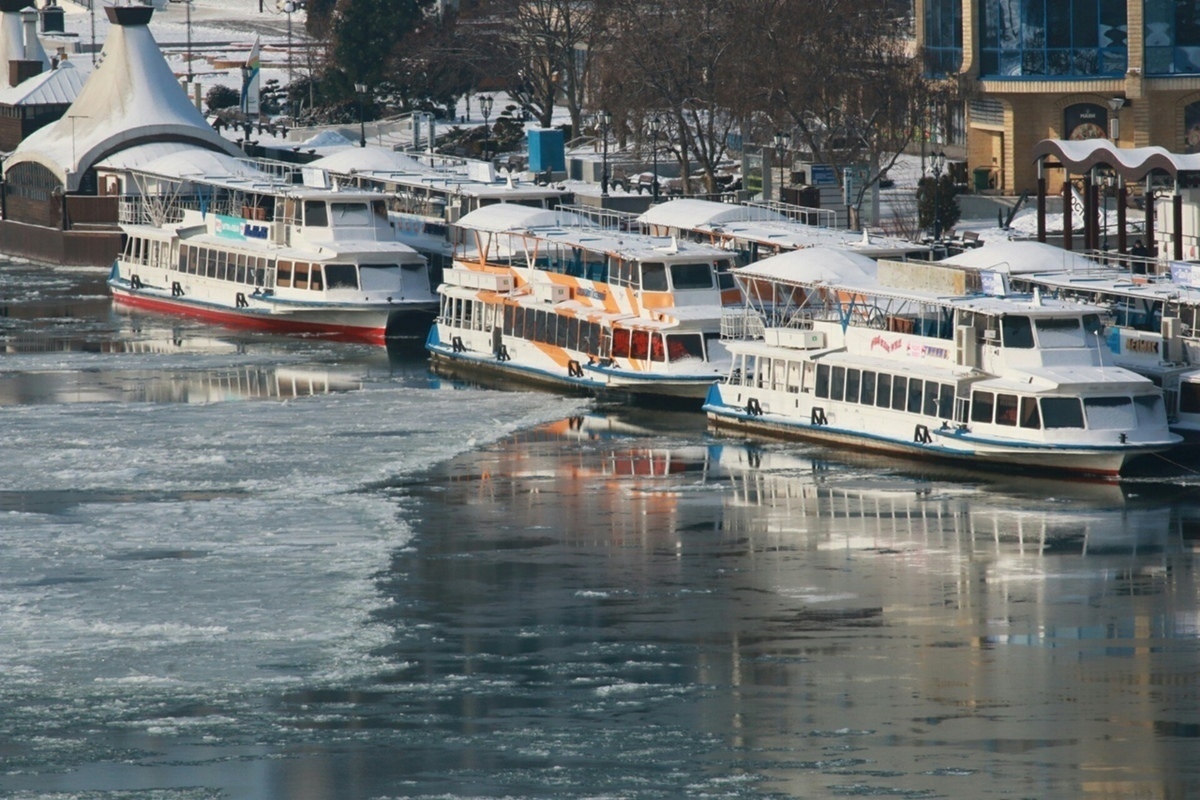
x=29, y=64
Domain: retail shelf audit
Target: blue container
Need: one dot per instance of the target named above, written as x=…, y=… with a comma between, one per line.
x=547, y=150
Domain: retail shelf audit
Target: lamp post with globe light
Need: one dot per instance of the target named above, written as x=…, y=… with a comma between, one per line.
x=782, y=140
x=937, y=165
x=361, y=88
x=655, y=127
x=603, y=120
x=485, y=107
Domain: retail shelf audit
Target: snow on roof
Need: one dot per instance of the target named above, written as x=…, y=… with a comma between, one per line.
x=814, y=265
x=370, y=159
x=12, y=40
x=179, y=160
x=688, y=213
x=57, y=87
x=327, y=139
x=513, y=217
x=131, y=97
x=1014, y=258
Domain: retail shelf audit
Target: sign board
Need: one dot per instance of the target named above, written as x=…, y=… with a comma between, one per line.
x=314, y=177
x=822, y=175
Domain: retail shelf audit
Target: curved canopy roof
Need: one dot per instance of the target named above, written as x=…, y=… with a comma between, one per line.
x=130, y=98
x=511, y=217
x=687, y=213
x=1131, y=163
x=353, y=160
x=814, y=265
x=1016, y=258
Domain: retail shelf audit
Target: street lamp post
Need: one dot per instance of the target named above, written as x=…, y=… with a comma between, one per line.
x=655, y=127
x=782, y=140
x=485, y=106
x=604, y=119
x=938, y=163
x=361, y=88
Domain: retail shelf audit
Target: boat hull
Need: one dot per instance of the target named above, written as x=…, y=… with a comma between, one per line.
x=372, y=325
x=935, y=443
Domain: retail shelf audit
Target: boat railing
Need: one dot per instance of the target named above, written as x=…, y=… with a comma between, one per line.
x=817, y=217
x=741, y=324
x=607, y=218
x=159, y=211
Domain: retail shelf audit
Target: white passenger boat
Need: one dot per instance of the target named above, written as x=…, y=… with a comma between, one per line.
x=546, y=296
x=1152, y=311
x=851, y=354
x=308, y=261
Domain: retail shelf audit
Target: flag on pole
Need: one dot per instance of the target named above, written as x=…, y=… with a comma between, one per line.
x=250, y=81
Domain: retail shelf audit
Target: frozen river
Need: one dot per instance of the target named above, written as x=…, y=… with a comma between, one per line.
x=237, y=566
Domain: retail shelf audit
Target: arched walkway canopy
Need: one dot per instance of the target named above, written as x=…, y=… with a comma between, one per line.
x=1131, y=163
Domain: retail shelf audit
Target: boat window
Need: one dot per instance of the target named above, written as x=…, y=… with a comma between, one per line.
x=315, y=214
x=300, y=275
x=822, y=388
x=341, y=276
x=883, y=393
x=930, y=406
x=1016, y=331
x=691, y=276
x=867, y=393
x=572, y=334
x=222, y=264
x=1189, y=397
x=542, y=329
x=778, y=374
x=508, y=318
x=620, y=343
x=654, y=277
x=915, y=386
x=1029, y=413
x=379, y=209
x=314, y=278
x=982, y=404
x=183, y=257
x=657, y=350
x=837, y=387
x=899, y=392
x=210, y=264
x=852, y=383
x=1006, y=409
x=562, y=329
x=349, y=213
x=1109, y=413
x=283, y=276
x=1150, y=409
x=946, y=401
x=640, y=345
x=793, y=377
x=1062, y=412
x=1093, y=324
x=1058, y=332
x=682, y=346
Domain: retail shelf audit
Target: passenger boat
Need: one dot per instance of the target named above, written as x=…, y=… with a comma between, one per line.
x=1151, y=310
x=551, y=297
x=311, y=261
x=912, y=359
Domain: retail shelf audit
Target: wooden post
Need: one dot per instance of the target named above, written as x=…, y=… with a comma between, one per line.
x=1041, y=201
x=1122, y=199
x=1067, y=223
x=1177, y=220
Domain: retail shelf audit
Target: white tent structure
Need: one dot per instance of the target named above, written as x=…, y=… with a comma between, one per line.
x=131, y=98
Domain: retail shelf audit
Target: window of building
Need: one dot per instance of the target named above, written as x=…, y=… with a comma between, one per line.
x=1054, y=38
x=943, y=37
x=1172, y=38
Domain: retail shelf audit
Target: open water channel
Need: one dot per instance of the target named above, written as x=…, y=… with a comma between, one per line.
x=239, y=566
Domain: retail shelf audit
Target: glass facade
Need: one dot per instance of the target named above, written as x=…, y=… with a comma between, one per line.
x=1172, y=37
x=1054, y=38
x=943, y=37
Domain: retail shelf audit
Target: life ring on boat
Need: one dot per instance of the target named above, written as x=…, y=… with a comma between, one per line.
x=574, y=370
x=921, y=435
x=134, y=281
x=817, y=417
x=753, y=407
x=176, y=289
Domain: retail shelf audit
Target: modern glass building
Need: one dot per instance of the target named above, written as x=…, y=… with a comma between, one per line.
x=1037, y=69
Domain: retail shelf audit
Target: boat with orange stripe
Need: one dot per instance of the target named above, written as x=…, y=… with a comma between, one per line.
x=563, y=299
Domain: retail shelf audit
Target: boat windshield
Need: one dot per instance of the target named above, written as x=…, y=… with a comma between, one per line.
x=315, y=214
x=341, y=276
x=350, y=214
x=691, y=276
x=654, y=277
x=1017, y=331
x=1059, y=332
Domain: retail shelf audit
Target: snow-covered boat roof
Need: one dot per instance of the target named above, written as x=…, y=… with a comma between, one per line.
x=56, y=87
x=355, y=160
x=766, y=226
x=1018, y=258
x=814, y=265
x=514, y=218
x=688, y=213
x=180, y=160
x=130, y=97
